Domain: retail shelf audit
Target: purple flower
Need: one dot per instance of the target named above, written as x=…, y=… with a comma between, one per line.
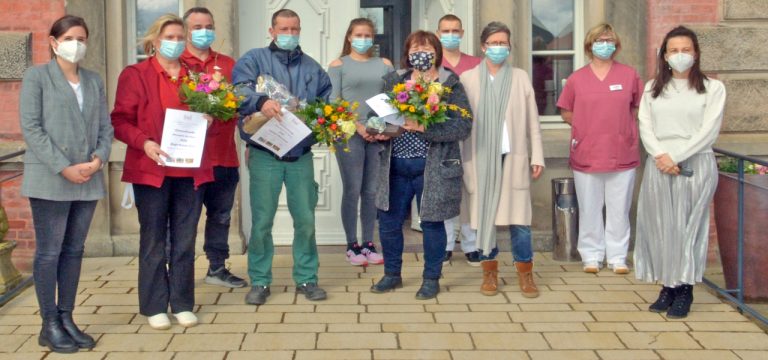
x=402, y=97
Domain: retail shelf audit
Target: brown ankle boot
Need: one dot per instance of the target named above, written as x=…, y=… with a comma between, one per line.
x=525, y=277
x=490, y=277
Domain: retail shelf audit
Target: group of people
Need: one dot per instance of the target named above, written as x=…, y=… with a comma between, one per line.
x=473, y=173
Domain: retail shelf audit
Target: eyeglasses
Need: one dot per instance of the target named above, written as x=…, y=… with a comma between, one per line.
x=602, y=42
x=497, y=43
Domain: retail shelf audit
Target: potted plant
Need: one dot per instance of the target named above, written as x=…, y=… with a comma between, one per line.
x=755, y=236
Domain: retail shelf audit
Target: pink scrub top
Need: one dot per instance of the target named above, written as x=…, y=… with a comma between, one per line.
x=604, y=134
x=466, y=62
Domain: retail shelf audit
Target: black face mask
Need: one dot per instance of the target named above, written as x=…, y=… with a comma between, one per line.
x=421, y=60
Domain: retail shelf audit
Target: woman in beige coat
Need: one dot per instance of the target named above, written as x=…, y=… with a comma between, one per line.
x=498, y=169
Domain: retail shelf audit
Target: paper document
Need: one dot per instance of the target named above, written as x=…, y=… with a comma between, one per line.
x=380, y=104
x=281, y=136
x=183, y=138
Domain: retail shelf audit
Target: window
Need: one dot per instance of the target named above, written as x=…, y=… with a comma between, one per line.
x=140, y=16
x=556, y=36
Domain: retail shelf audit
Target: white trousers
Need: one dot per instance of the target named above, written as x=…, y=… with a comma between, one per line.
x=468, y=236
x=609, y=241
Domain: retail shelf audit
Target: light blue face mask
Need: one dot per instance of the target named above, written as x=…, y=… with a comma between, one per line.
x=497, y=54
x=171, y=50
x=287, y=41
x=450, y=41
x=203, y=38
x=603, y=49
x=361, y=45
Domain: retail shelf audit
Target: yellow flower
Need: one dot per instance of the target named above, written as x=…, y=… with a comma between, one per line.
x=192, y=85
x=348, y=127
x=345, y=103
x=335, y=118
x=435, y=88
x=230, y=97
x=328, y=110
x=230, y=104
x=412, y=108
x=403, y=107
x=453, y=107
x=354, y=107
x=399, y=88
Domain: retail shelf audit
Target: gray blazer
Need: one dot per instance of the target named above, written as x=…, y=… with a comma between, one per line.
x=58, y=134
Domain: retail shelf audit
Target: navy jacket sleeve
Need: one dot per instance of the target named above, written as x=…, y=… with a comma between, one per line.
x=244, y=76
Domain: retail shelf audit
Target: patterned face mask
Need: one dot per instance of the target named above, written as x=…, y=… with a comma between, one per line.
x=421, y=60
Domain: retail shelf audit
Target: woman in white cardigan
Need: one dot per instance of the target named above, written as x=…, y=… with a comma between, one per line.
x=680, y=116
x=497, y=164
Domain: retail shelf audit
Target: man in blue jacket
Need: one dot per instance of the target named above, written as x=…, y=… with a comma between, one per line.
x=306, y=79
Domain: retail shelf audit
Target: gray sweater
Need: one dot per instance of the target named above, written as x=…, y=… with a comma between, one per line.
x=441, y=197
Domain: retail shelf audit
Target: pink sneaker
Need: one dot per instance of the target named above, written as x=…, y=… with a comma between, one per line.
x=355, y=256
x=370, y=253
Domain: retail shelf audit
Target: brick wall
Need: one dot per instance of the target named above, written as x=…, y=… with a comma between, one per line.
x=36, y=17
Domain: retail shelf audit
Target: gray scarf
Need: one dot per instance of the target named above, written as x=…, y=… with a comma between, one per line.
x=489, y=122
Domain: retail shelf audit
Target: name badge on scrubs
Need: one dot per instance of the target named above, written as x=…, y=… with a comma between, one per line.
x=616, y=87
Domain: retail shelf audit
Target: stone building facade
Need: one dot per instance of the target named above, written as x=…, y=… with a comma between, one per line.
x=732, y=35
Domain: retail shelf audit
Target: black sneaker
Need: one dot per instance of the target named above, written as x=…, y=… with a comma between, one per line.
x=387, y=283
x=222, y=277
x=473, y=258
x=311, y=291
x=429, y=289
x=447, y=257
x=258, y=295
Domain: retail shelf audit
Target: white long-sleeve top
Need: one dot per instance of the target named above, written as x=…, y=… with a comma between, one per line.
x=680, y=121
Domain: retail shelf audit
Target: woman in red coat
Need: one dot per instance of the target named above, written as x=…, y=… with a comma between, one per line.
x=168, y=199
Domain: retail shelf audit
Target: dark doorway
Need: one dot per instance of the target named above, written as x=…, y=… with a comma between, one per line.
x=393, y=23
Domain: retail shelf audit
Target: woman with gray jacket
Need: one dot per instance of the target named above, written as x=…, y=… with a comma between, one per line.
x=425, y=163
x=66, y=127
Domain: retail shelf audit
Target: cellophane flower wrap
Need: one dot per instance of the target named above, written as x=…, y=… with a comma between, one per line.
x=423, y=101
x=332, y=123
x=210, y=94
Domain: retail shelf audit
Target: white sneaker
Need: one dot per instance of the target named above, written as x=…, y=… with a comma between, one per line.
x=186, y=318
x=591, y=268
x=621, y=269
x=159, y=321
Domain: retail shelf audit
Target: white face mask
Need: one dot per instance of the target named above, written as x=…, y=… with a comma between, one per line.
x=70, y=50
x=680, y=61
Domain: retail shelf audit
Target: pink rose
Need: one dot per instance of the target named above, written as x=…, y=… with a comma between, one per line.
x=205, y=78
x=213, y=85
x=409, y=85
x=433, y=99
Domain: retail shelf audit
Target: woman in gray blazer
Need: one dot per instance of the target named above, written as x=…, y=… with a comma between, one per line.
x=66, y=126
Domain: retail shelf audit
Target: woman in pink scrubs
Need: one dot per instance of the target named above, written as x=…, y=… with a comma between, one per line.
x=600, y=102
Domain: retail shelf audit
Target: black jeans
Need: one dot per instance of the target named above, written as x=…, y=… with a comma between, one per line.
x=60, y=231
x=218, y=200
x=169, y=212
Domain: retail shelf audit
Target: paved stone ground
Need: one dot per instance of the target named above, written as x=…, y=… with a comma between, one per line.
x=577, y=316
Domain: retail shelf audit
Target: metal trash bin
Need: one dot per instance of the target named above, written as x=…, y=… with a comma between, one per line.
x=565, y=220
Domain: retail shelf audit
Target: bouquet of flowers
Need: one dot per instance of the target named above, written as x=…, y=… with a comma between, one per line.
x=331, y=122
x=423, y=101
x=210, y=94
x=270, y=87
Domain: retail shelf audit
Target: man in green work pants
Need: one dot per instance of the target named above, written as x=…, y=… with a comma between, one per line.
x=306, y=79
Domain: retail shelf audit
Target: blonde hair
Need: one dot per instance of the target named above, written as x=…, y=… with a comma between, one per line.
x=594, y=33
x=157, y=28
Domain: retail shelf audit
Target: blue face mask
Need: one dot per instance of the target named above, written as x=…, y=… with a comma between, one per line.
x=287, y=41
x=361, y=45
x=497, y=54
x=450, y=41
x=203, y=38
x=603, y=50
x=171, y=50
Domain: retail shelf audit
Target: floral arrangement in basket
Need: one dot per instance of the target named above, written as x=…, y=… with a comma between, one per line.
x=423, y=102
x=331, y=122
x=210, y=94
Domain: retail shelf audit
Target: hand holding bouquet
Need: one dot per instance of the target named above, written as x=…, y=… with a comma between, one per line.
x=423, y=102
x=332, y=122
x=210, y=94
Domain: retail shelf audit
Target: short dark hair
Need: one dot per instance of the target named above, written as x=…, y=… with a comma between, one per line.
x=492, y=28
x=286, y=13
x=197, y=10
x=422, y=37
x=63, y=24
x=450, y=17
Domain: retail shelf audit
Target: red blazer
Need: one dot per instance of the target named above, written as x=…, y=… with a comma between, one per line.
x=221, y=144
x=138, y=116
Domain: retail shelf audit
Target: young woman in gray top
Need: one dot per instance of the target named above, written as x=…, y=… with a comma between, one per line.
x=357, y=76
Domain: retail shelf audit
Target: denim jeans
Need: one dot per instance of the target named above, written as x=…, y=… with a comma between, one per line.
x=218, y=200
x=406, y=180
x=170, y=212
x=60, y=231
x=522, y=247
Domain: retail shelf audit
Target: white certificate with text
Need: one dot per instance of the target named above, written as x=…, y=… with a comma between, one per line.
x=281, y=136
x=183, y=138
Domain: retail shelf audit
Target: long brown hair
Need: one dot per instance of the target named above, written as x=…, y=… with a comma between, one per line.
x=347, y=48
x=664, y=72
x=422, y=37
